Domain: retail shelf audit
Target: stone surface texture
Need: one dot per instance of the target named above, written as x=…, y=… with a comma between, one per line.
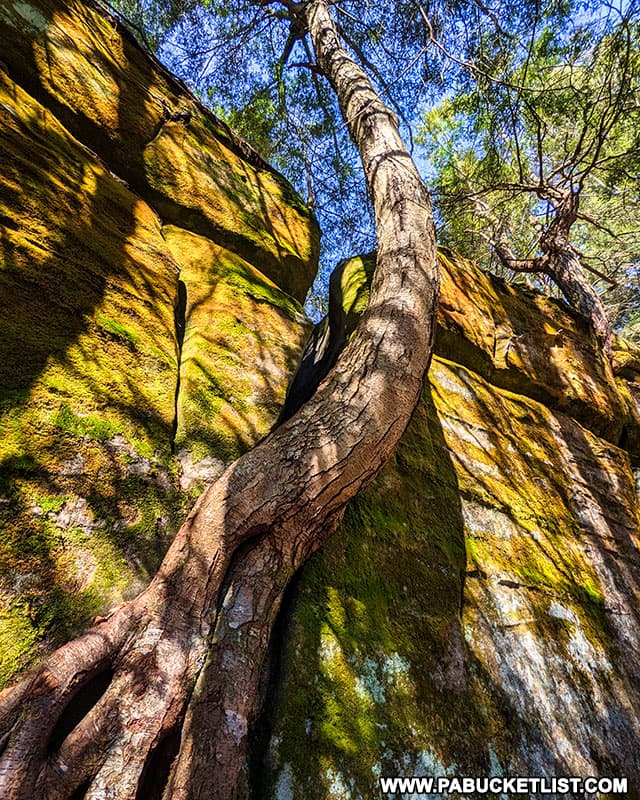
x=152, y=268
x=476, y=613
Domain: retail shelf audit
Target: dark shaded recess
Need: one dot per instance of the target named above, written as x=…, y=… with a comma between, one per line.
x=155, y=775
x=179, y=313
x=3, y=741
x=630, y=441
x=317, y=360
x=272, y=687
x=80, y=705
x=180, y=323
x=81, y=791
x=623, y=442
x=254, y=536
x=327, y=341
x=8, y=223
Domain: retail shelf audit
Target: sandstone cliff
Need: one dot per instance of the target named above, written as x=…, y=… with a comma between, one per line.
x=152, y=273
x=476, y=613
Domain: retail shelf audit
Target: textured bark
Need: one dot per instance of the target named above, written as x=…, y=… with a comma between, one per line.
x=246, y=536
x=212, y=759
x=561, y=262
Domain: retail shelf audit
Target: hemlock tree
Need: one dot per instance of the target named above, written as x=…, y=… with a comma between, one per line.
x=537, y=155
x=166, y=689
x=256, y=67
x=160, y=665
x=568, y=72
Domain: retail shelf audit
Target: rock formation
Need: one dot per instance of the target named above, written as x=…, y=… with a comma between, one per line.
x=152, y=271
x=477, y=611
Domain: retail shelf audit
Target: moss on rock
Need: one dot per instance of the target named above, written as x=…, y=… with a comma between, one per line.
x=243, y=337
x=92, y=388
x=88, y=380
x=516, y=338
x=374, y=646
x=83, y=65
x=476, y=613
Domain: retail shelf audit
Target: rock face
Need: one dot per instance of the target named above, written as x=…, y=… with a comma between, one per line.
x=477, y=613
x=152, y=271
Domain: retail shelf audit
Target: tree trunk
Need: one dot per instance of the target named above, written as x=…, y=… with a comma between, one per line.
x=562, y=264
x=103, y=713
x=560, y=261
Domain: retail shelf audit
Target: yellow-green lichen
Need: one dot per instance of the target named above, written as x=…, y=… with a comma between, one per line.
x=242, y=337
x=374, y=654
x=87, y=403
x=91, y=492
x=490, y=483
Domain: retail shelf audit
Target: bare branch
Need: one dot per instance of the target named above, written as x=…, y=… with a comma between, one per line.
x=587, y=218
x=509, y=259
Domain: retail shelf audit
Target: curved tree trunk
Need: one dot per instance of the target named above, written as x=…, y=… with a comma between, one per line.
x=102, y=713
x=562, y=264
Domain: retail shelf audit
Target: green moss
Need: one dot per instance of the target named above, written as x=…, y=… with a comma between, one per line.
x=254, y=285
x=64, y=576
x=54, y=596
x=117, y=329
x=19, y=638
x=376, y=649
x=353, y=277
x=66, y=611
x=242, y=337
x=249, y=215
x=9, y=399
x=375, y=613
x=93, y=427
x=517, y=462
x=89, y=355
x=51, y=505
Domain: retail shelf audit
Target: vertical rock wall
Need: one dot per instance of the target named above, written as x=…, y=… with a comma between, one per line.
x=477, y=612
x=152, y=268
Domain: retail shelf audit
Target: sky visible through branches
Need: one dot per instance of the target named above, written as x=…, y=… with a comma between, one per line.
x=251, y=65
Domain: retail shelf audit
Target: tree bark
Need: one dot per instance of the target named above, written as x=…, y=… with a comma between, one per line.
x=101, y=713
x=562, y=263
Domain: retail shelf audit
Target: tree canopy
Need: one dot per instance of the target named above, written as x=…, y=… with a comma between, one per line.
x=504, y=105
x=532, y=122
